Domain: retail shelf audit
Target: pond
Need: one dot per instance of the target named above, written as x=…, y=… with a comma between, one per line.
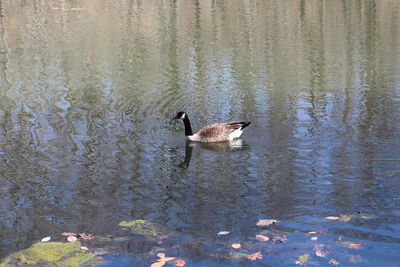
x=88, y=90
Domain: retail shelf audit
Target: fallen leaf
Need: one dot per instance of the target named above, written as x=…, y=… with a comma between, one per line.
x=265, y=222
x=236, y=245
x=312, y=233
x=313, y=238
x=355, y=245
x=320, y=250
x=69, y=234
x=223, y=233
x=302, y=259
x=262, y=238
x=255, y=256
x=86, y=236
x=161, y=255
x=46, y=239
x=84, y=248
x=333, y=261
x=280, y=238
x=71, y=238
x=332, y=218
x=180, y=262
x=165, y=259
x=158, y=264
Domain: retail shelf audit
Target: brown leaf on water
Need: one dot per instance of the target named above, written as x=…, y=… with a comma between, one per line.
x=262, y=238
x=86, y=236
x=280, y=238
x=223, y=233
x=158, y=264
x=320, y=250
x=302, y=259
x=180, y=262
x=264, y=222
x=355, y=245
x=333, y=261
x=332, y=218
x=255, y=256
x=236, y=245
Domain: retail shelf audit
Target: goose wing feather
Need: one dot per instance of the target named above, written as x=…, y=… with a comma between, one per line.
x=218, y=131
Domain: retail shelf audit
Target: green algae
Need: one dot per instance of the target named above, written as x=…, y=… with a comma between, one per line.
x=50, y=254
x=146, y=228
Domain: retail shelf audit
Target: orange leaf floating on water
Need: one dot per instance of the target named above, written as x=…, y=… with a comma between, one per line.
x=332, y=218
x=236, y=245
x=158, y=264
x=262, y=238
x=302, y=259
x=223, y=233
x=180, y=262
x=355, y=245
x=333, y=261
x=255, y=256
x=264, y=222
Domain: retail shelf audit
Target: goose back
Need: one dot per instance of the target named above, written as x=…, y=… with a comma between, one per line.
x=220, y=131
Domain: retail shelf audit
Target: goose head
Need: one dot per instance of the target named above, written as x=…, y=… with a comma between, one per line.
x=180, y=115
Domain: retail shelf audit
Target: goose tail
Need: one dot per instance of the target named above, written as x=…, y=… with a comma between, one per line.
x=245, y=124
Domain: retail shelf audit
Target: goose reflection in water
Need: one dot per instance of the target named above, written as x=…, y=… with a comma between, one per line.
x=227, y=146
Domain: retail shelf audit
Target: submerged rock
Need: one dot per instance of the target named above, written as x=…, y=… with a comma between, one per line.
x=51, y=254
x=146, y=228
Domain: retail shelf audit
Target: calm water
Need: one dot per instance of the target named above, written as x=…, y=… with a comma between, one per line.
x=88, y=88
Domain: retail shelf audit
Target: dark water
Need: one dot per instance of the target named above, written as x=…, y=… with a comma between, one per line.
x=87, y=90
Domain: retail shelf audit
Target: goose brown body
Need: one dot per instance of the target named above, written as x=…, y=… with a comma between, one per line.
x=217, y=132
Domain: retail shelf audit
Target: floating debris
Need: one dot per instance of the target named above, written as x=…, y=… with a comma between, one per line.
x=302, y=259
x=223, y=233
x=262, y=238
x=320, y=250
x=265, y=222
x=180, y=262
x=255, y=256
x=236, y=245
x=333, y=261
x=45, y=239
x=72, y=238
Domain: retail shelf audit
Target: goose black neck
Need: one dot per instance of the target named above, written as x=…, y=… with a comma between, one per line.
x=188, y=128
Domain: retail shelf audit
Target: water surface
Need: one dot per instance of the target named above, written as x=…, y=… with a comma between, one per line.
x=88, y=88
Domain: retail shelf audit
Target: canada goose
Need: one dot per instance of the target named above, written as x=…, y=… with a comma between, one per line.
x=212, y=133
